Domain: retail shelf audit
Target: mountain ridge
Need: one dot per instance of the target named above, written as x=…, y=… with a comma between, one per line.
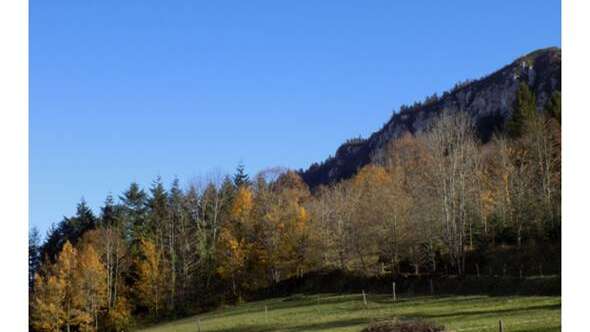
x=488, y=100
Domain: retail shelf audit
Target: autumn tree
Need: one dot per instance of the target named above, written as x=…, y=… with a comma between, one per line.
x=233, y=244
x=151, y=286
x=47, y=310
x=66, y=270
x=92, y=286
x=451, y=143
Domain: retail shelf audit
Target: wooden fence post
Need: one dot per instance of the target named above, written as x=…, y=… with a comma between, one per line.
x=365, y=298
x=501, y=325
x=394, y=299
x=198, y=324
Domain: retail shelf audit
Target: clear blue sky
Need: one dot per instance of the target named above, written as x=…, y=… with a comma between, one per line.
x=125, y=91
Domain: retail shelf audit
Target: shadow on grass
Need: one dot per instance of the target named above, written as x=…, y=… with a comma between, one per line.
x=298, y=328
x=509, y=311
x=280, y=304
x=542, y=329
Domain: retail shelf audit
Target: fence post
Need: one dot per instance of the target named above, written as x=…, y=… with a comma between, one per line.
x=365, y=298
x=266, y=313
x=394, y=299
x=198, y=324
x=501, y=325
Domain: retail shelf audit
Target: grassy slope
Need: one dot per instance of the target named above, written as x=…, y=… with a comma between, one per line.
x=347, y=313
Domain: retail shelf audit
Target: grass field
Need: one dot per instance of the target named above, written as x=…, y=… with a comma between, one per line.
x=348, y=313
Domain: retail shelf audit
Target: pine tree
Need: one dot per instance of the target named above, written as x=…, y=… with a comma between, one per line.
x=110, y=213
x=525, y=109
x=158, y=212
x=134, y=202
x=553, y=106
x=240, y=177
x=34, y=254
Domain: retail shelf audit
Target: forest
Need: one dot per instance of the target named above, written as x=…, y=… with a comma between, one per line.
x=438, y=202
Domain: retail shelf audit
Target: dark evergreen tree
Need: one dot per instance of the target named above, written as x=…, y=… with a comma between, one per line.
x=69, y=229
x=34, y=254
x=553, y=106
x=54, y=239
x=110, y=213
x=158, y=211
x=240, y=177
x=525, y=109
x=134, y=210
x=227, y=190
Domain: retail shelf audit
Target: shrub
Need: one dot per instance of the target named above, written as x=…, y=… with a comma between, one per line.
x=404, y=326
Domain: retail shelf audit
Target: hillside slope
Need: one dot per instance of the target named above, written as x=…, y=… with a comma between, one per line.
x=488, y=100
x=346, y=313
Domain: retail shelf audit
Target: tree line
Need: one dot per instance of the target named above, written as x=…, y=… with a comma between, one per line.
x=436, y=202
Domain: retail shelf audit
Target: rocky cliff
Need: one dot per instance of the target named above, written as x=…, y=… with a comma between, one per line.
x=488, y=100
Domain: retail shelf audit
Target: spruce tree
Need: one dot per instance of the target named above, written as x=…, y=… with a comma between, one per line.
x=134, y=202
x=553, y=106
x=240, y=177
x=158, y=211
x=34, y=254
x=524, y=110
x=109, y=213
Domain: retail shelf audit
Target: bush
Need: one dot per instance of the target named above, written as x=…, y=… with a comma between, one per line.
x=404, y=326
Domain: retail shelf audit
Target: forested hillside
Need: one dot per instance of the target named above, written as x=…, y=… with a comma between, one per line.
x=437, y=200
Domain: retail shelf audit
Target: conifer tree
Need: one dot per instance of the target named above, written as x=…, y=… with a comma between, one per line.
x=525, y=109
x=135, y=214
x=553, y=106
x=240, y=177
x=110, y=213
x=158, y=212
x=34, y=254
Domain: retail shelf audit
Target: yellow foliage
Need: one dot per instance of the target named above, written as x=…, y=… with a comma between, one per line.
x=72, y=291
x=151, y=284
x=47, y=312
x=243, y=203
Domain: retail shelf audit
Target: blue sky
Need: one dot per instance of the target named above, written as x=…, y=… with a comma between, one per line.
x=125, y=91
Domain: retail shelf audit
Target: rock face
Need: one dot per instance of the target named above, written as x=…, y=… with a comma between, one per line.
x=488, y=101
